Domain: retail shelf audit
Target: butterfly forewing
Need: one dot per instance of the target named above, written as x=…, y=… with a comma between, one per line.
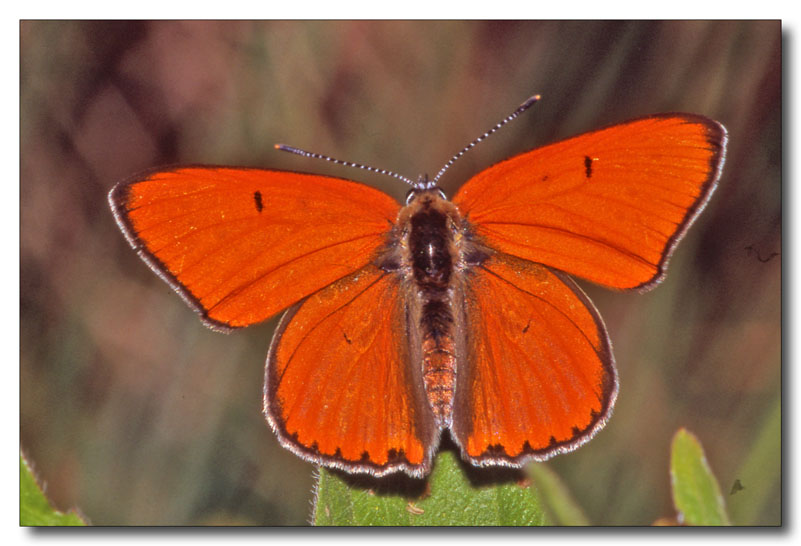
x=608, y=206
x=243, y=244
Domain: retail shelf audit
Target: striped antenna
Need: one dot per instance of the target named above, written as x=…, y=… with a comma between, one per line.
x=304, y=153
x=520, y=109
x=423, y=182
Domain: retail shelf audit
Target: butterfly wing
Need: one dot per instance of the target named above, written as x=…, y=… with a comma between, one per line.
x=608, y=206
x=340, y=387
x=539, y=377
x=240, y=245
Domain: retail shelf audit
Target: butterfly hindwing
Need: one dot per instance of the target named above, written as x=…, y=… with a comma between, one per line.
x=342, y=386
x=539, y=376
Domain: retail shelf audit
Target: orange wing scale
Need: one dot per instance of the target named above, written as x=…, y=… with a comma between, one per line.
x=238, y=243
x=340, y=386
x=540, y=376
x=607, y=206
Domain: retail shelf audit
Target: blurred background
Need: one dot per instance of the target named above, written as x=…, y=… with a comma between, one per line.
x=135, y=413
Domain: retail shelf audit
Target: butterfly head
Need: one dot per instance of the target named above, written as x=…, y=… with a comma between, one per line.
x=423, y=186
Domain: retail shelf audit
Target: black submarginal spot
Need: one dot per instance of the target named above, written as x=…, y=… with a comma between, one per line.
x=527, y=327
x=588, y=166
x=347, y=338
x=257, y=199
x=495, y=451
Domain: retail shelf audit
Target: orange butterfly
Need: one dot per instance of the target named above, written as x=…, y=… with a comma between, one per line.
x=405, y=321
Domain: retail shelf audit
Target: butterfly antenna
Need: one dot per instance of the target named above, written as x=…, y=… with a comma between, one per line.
x=304, y=153
x=520, y=109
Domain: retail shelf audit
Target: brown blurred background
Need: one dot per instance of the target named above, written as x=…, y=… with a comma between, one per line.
x=135, y=413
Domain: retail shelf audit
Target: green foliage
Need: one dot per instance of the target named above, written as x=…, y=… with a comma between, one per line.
x=696, y=493
x=34, y=508
x=454, y=494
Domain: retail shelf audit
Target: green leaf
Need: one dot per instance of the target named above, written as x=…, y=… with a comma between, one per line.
x=454, y=494
x=696, y=493
x=34, y=508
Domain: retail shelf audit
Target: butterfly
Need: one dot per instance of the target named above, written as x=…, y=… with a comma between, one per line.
x=405, y=321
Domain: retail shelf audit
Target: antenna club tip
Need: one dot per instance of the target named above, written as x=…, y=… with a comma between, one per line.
x=531, y=100
x=290, y=149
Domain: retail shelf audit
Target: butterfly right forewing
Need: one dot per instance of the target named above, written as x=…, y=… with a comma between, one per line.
x=609, y=205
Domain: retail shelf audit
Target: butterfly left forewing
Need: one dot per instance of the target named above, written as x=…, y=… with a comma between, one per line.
x=341, y=386
x=241, y=244
x=538, y=377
